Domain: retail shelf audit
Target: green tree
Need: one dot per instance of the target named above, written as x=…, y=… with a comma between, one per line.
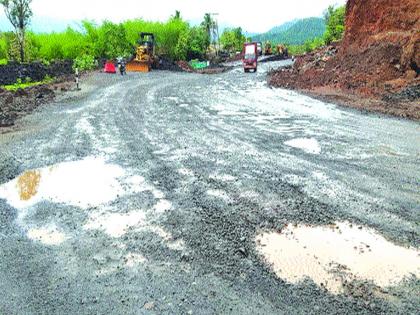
x=19, y=13
x=335, y=19
x=209, y=25
x=181, y=49
x=232, y=40
x=114, y=42
x=177, y=15
x=3, y=47
x=199, y=42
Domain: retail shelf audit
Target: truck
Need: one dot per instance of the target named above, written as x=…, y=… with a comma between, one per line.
x=250, y=58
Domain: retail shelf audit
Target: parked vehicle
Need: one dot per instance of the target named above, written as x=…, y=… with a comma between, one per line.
x=250, y=59
x=145, y=56
x=268, y=51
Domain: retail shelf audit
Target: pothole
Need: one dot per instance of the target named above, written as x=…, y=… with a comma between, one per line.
x=86, y=183
x=115, y=224
x=332, y=255
x=47, y=235
x=218, y=194
x=133, y=259
x=307, y=145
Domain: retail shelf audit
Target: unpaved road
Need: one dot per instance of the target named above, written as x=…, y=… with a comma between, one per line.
x=150, y=191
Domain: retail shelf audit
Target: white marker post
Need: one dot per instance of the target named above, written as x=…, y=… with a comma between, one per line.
x=77, y=79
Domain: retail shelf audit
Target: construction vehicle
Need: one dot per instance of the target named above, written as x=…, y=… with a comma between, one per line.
x=282, y=51
x=268, y=51
x=250, y=58
x=144, y=58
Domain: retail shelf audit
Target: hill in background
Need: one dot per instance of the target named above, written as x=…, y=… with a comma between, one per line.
x=295, y=32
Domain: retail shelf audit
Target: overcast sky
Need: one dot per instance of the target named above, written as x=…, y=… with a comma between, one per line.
x=253, y=16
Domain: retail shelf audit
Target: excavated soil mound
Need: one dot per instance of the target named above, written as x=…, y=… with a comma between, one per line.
x=14, y=105
x=375, y=66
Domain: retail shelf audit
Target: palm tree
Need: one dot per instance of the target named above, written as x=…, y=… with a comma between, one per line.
x=177, y=15
x=209, y=25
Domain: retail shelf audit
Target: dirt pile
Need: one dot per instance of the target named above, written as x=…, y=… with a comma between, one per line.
x=375, y=67
x=169, y=65
x=14, y=105
x=36, y=71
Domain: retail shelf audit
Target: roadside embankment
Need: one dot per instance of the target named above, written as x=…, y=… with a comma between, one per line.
x=36, y=71
x=16, y=104
x=374, y=68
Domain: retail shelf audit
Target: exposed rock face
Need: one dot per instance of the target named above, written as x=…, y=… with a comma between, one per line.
x=397, y=23
x=378, y=57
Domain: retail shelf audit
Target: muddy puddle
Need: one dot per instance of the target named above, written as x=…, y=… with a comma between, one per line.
x=332, y=255
x=49, y=235
x=310, y=145
x=86, y=183
x=27, y=184
x=115, y=224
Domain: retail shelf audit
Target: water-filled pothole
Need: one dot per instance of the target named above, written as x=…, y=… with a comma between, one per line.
x=308, y=145
x=49, y=235
x=86, y=183
x=335, y=254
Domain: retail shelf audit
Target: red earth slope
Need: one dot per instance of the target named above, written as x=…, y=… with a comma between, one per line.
x=375, y=67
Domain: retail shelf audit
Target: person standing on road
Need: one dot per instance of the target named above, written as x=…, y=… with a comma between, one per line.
x=121, y=66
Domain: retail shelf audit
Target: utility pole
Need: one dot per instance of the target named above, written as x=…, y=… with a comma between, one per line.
x=216, y=29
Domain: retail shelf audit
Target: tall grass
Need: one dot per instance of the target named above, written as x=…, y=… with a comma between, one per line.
x=107, y=40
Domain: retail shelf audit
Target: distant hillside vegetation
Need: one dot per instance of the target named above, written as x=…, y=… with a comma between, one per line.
x=294, y=33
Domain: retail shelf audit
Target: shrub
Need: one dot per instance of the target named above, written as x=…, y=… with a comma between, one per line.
x=84, y=62
x=335, y=18
x=233, y=39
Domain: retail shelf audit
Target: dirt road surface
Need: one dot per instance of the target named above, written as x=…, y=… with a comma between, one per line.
x=146, y=195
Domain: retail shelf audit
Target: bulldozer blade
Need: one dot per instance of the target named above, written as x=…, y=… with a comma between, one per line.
x=137, y=66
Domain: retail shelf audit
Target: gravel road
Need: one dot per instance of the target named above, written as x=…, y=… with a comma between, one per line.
x=149, y=191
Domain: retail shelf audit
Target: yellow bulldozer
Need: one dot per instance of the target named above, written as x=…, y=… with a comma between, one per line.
x=282, y=50
x=268, y=51
x=144, y=58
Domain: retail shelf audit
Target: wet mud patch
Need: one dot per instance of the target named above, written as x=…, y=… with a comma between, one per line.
x=27, y=184
x=220, y=238
x=335, y=255
x=310, y=145
x=115, y=224
x=49, y=235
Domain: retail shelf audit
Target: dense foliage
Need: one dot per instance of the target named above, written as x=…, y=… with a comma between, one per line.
x=232, y=40
x=335, y=18
x=175, y=39
x=294, y=33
